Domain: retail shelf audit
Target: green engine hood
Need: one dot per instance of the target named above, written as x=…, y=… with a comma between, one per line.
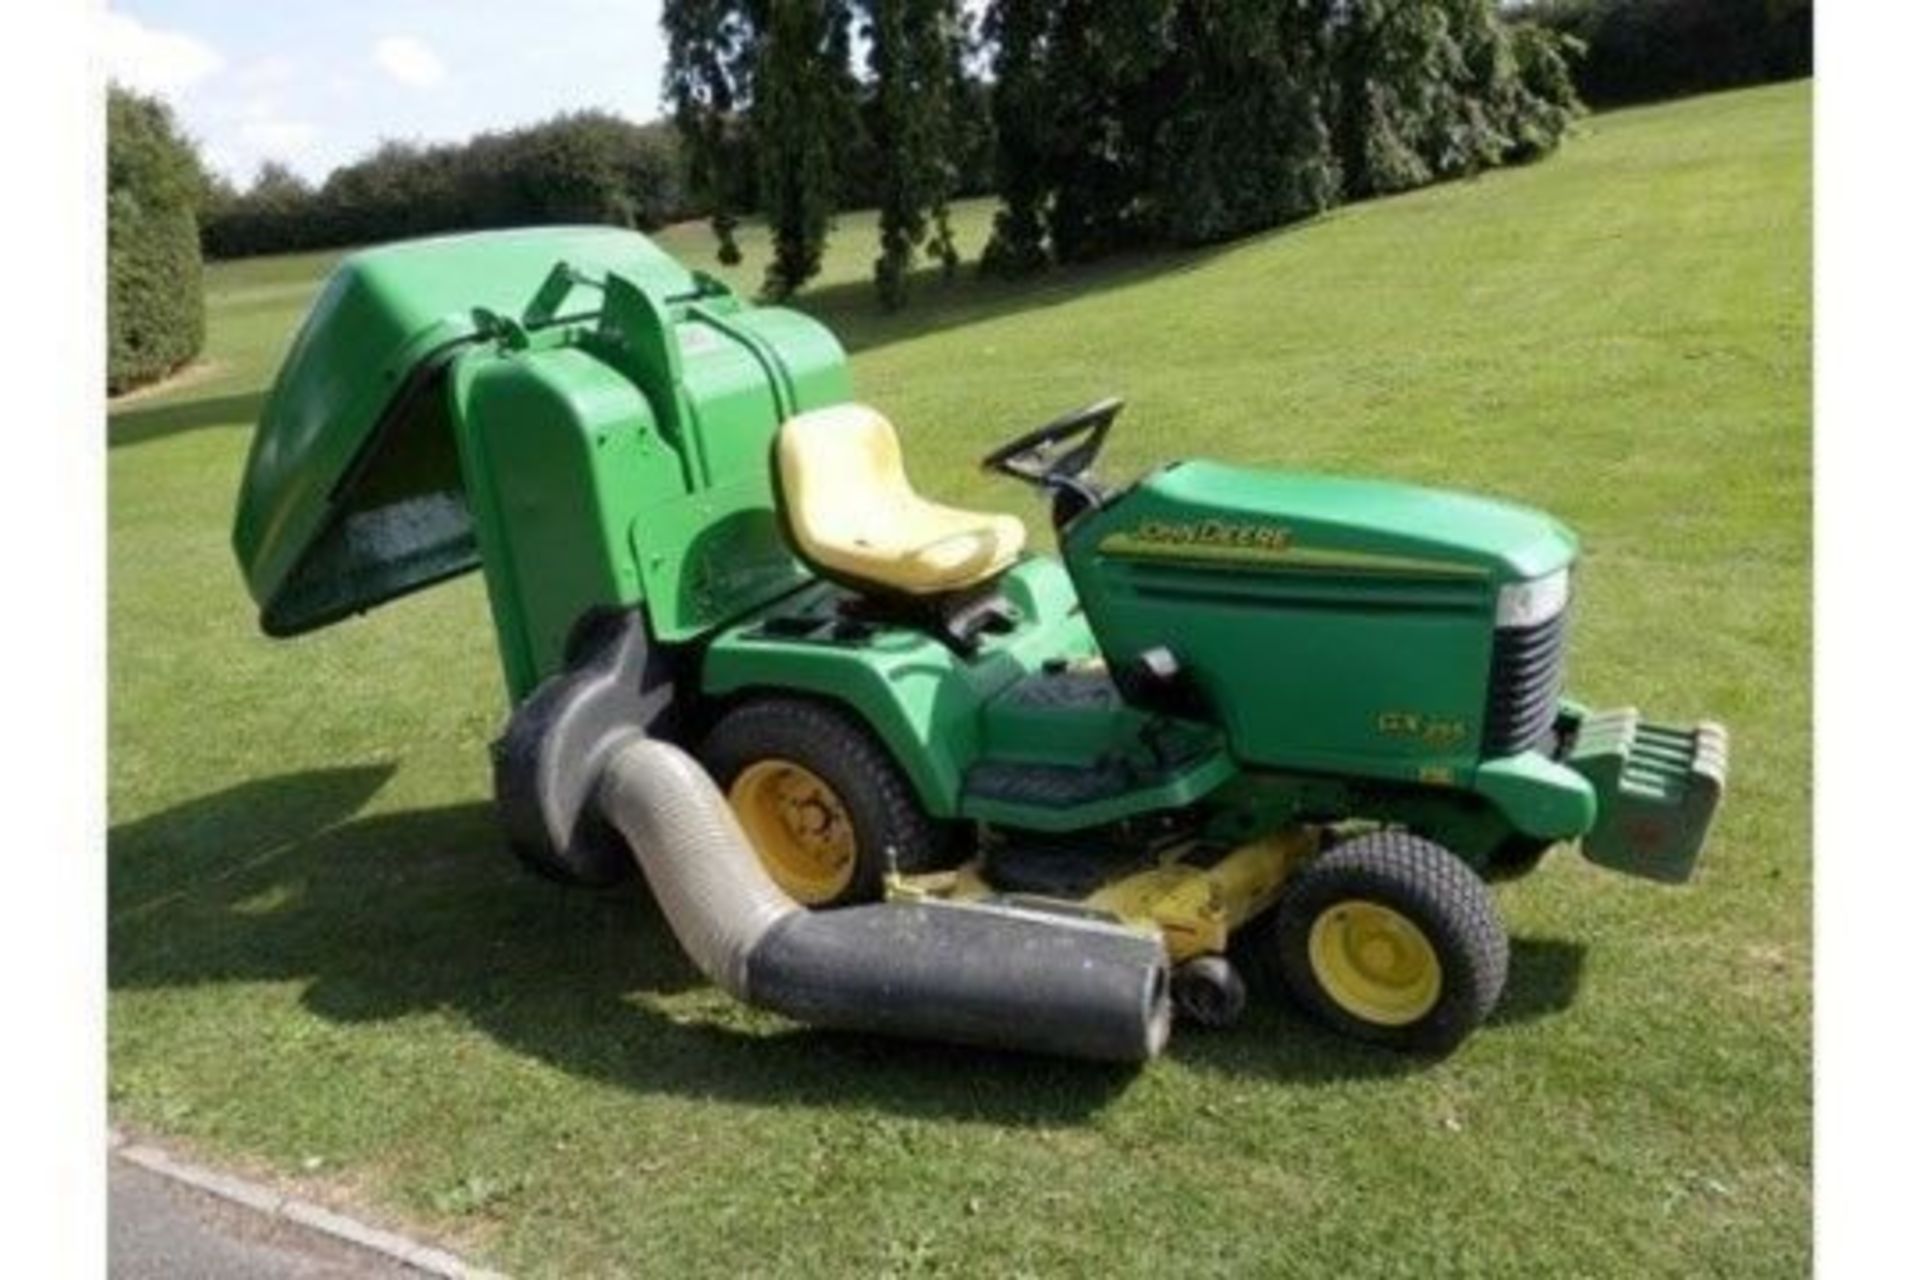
x=1205, y=511
x=352, y=493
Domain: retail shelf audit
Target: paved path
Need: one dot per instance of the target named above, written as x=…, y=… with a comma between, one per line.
x=158, y=1229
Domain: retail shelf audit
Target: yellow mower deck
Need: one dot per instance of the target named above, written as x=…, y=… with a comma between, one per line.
x=1195, y=905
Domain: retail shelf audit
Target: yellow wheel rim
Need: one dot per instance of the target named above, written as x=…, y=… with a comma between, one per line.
x=1374, y=962
x=799, y=826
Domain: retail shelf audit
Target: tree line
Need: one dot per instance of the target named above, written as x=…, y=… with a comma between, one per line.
x=1639, y=50
x=1099, y=124
x=1115, y=122
x=585, y=166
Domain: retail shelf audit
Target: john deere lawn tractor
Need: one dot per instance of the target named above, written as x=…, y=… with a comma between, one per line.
x=884, y=766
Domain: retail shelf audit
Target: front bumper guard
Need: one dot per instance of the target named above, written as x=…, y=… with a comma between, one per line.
x=1657, y=787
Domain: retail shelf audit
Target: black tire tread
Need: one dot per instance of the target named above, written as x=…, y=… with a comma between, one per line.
x=1422, y=880
x=842, y=750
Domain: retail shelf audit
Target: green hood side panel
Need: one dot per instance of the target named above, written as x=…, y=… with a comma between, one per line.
x=351, y=494
x=1365, y=525
x=1332, y=624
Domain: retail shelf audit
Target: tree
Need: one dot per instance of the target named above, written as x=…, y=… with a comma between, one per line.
x=1103, y=103
x=1243, y=144
x=803, y=119
x=1077, y=99
x=918, y=51
x=587, y=166
x=1114, y=122
x=156, y=311
x=1016, y=30
x=1124, y=121
x=1437, y=90
x=711, y=54
x=1634, y=50
x=768, y=101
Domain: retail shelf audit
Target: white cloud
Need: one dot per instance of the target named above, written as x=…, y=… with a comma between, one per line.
x=155, y=61
x=272, y=72
x=271, y=132
x=280, y=139
x=239, y=134
x=409, y=61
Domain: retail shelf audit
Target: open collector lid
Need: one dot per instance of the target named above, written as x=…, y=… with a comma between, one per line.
x=352, y=492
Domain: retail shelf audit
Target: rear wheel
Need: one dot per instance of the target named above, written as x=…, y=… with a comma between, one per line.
x=1389, y=938
x=819, y=799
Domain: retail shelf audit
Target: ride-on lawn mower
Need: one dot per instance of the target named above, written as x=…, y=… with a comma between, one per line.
x=883, y=767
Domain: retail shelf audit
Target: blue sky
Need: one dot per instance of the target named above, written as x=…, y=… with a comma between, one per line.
x=315, y=85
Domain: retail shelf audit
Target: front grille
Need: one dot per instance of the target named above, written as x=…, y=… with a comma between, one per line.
x=1523, y=693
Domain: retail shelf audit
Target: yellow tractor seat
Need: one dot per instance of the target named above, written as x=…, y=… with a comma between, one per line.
x=852, y=513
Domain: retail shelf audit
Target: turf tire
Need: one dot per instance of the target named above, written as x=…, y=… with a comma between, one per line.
x=1423, y=882
x=879, y=799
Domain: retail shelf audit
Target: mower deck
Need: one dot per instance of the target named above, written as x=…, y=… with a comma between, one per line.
x=1193, y=894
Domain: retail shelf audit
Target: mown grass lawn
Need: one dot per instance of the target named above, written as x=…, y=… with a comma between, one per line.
x=324, y=966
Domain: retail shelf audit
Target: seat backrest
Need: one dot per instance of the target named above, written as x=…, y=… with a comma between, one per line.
x=837, y=465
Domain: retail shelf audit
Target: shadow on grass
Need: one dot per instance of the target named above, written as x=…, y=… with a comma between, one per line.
x=139, y=424
x=400, y=913
x=935, y=304
x=1277, y=1043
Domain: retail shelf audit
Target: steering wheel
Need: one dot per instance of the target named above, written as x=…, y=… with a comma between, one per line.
x=1056, y=455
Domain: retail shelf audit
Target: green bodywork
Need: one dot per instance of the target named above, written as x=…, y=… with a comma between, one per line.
x=943, y=715
x=570, y=410
x=592, y=425
x=1320, y=615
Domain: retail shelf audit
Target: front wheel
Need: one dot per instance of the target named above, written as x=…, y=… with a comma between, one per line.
x=1389, y=938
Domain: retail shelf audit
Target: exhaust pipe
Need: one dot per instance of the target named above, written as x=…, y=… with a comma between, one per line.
x=992, y=975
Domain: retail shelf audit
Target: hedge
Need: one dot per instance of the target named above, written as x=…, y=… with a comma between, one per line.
x=583, y=167
x=156, y=313
x=1194, y=121
x=1640, y=50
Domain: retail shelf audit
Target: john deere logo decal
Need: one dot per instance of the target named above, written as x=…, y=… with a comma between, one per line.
x=1214, y=533
x=1249, y=542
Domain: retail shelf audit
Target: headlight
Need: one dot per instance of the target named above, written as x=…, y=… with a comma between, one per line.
x=1530, y=603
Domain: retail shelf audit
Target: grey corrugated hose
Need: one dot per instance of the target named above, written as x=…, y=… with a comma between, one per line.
x=995, y=975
